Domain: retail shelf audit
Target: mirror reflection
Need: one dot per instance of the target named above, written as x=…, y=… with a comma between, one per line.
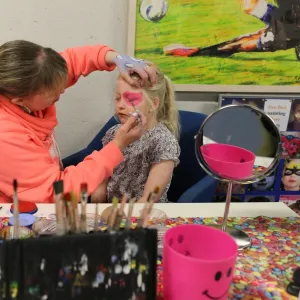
x=247, y=128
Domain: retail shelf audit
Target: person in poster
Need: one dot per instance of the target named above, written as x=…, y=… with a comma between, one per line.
x=282, y=32
x=290, y=145
x=291, y=175
x=294, y=125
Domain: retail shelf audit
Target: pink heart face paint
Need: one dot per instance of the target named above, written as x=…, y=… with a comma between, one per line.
x=133, y=98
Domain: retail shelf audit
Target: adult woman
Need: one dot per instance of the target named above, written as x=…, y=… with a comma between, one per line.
x=32, y=78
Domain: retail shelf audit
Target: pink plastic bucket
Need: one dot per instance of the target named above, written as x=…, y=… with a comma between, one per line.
x=229, y=161
x=198, y=263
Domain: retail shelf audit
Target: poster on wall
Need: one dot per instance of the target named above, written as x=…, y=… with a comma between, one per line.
x=284, y=183
x=216, y=45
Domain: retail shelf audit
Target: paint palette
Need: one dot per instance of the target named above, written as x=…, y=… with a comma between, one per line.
x=25, y=220
x=44, y=227
x=25, y=207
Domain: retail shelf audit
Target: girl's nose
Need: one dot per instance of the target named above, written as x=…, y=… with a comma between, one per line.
x=121, y=103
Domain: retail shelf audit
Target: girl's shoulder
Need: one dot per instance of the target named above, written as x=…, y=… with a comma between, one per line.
x=112, y=130
x=161, y=133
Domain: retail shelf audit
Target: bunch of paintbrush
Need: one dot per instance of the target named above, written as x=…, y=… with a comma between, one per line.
x=68, y=219
x=67, y=216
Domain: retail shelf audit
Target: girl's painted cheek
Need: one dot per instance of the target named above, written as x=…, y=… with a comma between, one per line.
x=133, y=98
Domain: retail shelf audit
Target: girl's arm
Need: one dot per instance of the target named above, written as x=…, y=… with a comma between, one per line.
x=159, y=175
x=82, y=61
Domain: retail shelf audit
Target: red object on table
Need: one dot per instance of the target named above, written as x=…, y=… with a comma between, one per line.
x=25, y=207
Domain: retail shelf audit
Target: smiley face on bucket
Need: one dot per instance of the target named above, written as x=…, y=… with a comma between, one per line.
x=216, y=283
x=214, y=293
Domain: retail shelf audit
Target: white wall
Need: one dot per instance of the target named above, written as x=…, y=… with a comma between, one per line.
x=84, y=108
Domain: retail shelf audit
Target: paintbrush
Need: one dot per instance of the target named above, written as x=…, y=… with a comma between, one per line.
x=96, y=221
x=129, y=214
x=152, y=198
x=83, y=201
x=16, y=211
x=120, y=213
x=137, y=112
x=113, y=213
x=58, y=190
x=75, y=211
x=69, y=211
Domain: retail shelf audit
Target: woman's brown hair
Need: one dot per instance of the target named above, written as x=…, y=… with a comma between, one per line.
x=27, y=68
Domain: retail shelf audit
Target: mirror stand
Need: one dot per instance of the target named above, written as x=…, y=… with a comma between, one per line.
x=238, y=144
x=242, y=239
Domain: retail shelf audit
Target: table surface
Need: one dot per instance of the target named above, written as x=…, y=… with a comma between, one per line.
x=173, y=210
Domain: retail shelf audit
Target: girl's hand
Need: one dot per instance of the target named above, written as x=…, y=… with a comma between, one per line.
x=99, y=195
x=128, y=65
x=131, y=131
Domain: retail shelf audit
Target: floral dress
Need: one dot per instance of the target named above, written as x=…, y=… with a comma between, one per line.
x=156, y=145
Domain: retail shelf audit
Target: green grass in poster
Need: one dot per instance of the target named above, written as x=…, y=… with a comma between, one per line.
x=204, y=23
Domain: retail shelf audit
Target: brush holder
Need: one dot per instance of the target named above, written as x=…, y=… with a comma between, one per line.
x=103, y=265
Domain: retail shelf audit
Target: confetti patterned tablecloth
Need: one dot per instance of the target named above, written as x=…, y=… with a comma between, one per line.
x=263, y=270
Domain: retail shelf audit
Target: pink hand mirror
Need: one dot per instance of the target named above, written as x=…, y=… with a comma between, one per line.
x=230, y=146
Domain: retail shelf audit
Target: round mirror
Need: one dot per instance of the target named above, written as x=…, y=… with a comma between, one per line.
x=242, y=127
x=238, y=144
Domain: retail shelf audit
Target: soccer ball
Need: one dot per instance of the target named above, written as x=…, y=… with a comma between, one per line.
x=153, y=10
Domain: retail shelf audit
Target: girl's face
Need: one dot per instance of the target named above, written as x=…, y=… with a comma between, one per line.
x=127, y=99
x=291, y=176
x=297, y=113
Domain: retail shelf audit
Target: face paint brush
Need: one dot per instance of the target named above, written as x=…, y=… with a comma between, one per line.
x=16, y=211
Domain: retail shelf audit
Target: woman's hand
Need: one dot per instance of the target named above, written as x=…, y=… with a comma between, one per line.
x=128, y=65
x=131, y=131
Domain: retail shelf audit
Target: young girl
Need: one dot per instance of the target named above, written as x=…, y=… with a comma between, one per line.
x=149, y=161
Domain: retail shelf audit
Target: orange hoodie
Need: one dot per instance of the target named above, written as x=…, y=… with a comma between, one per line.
x=28, y=150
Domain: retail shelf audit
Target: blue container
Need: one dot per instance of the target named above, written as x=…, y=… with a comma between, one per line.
x=26, y=220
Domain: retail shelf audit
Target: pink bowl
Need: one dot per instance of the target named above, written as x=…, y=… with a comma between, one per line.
x=229, y=161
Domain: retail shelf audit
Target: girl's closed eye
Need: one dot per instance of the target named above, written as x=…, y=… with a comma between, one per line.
x=133, y=98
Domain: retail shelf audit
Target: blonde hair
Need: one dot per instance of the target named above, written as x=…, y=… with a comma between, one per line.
x=167, y=112
x=27, y=68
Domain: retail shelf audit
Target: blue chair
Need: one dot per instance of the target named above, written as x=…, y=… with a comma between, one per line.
x=189, y=183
